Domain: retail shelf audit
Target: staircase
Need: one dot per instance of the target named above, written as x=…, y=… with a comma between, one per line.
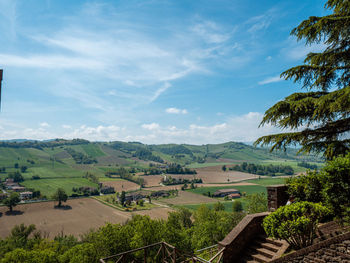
x=264, y=249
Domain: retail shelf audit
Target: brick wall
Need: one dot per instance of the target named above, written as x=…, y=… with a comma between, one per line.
x=276, y=196
x=241, y=236
x=337, y=247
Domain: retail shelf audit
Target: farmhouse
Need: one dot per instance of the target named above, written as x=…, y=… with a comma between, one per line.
x=18, y=188
x=134, y=196
x=26, y=195
x=3, y=196
x=225, y=192
x=233, y=196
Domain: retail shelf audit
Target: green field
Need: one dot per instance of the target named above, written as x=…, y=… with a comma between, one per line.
x=248, y=189
x=49, y=186
x=268, y=181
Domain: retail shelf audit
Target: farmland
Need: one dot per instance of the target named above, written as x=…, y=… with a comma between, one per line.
x=66, y=164
x=78, y=217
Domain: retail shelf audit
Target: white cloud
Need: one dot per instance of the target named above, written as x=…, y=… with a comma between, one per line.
x=65, y=126
x=50, y=62
x=151, y=126
x=159, y=91
x=210, y=32
x=261, y=22
x=243, y=128
x=176, y=111
x=44, y=125
x=270, y=80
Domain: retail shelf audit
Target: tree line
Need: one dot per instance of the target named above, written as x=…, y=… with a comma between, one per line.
x=263, y=169
x=80, y=158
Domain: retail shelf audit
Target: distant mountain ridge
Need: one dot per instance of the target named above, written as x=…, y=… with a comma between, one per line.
x=161, y=153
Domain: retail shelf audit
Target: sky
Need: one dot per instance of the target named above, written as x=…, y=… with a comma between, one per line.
x=153, y=71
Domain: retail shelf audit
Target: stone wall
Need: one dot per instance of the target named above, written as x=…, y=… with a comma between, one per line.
x=276, y=196
x=336, y=249
x=238, y=239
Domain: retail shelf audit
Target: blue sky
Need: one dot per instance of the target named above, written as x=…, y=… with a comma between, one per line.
x=152, y=71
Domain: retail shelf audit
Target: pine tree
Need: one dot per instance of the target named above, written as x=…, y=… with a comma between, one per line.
x=319, y=119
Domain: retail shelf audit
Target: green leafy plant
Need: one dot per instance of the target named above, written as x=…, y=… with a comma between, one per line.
x=295, y=223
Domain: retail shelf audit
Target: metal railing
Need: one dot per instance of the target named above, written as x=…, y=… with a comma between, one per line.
x=160, y=252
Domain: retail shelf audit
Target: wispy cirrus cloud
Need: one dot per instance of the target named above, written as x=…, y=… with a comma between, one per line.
x=176, y=111
x=270, y=80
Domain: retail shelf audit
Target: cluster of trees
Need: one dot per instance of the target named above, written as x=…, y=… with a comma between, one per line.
x=178, y=169
x=175, y=150
x=40, y=145
x=308, y=165
x=80, y=158
x=171, y=169
x=16, y=176
x=85, y=190
x=263, y=169
x=91, y=177
x=147, y=155
x=174, y=181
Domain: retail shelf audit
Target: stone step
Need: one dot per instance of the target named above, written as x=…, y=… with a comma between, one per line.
x=265, y=252
x=264, y=239
x=260, y=258
x=270, y=246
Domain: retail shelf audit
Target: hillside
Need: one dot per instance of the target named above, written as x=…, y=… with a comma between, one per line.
x=63, y=163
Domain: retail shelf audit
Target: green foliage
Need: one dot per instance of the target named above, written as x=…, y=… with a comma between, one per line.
x=219, y=206
x=82, y=253
x=295, y=223
x=80, y=158
x=237, y=206
x=16, y=176
x=337, y=185
x=256, y=203
x=307, y=165
x=212, y=226
x=122, y=198
x=60, y=196
x=209, y=227
x=21, y=255
x=324, y=109
x=263, y=169
x=12, y=200
x=307, y=187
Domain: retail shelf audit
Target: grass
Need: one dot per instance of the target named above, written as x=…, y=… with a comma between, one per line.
x=293, y=164
x=227, y=205
x=248, y=189
x=201, y=165
x=267, y=181
x=49, y=186
x=108, y=179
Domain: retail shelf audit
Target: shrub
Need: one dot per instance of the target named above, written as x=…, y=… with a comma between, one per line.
x=237, y=206
x=308, y=187
x=337, y=186
x=219, y=206
x=256, y=203
x=295, y=223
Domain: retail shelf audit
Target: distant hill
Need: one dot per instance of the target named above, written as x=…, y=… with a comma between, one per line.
x=83, y=152
x=47, y=165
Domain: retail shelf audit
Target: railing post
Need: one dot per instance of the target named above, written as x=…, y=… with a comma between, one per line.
x=145, y=255
x=174, y=256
